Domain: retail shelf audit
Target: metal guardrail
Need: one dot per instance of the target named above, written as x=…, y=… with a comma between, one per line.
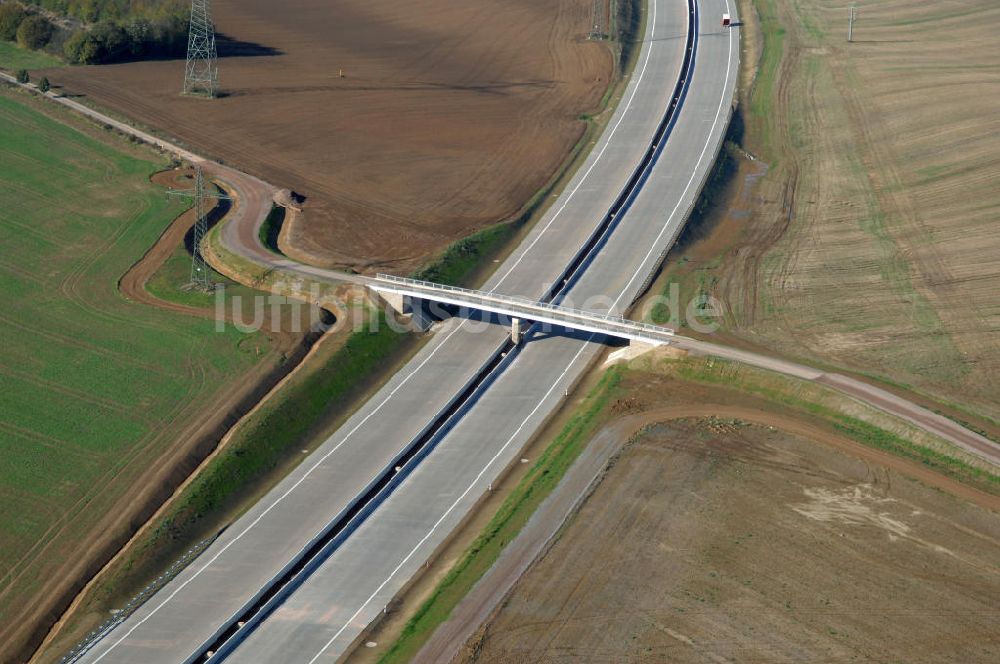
x=524, y=307
x=120, y=615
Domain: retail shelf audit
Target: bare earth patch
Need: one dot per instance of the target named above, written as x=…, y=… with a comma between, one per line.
x=716, y=540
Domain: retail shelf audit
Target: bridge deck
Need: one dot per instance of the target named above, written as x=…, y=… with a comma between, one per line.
x=524, y=309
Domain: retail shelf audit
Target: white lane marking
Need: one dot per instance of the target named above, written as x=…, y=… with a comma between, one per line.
x=282, y=497
x=173, y=594
x=694, y=171
x=548, y=393
x=452, y=507
x=600, y=154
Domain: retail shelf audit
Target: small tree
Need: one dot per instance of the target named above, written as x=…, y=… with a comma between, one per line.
x=34, y=32
x=43, y=84
x=22, y=76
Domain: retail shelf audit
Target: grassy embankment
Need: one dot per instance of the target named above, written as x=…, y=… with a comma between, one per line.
x=271, y=228
x=95, y=387
x=901, y=441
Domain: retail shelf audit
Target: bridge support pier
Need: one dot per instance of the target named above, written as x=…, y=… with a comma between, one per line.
x=515, y=331
x=399, y=303
x=409, y=308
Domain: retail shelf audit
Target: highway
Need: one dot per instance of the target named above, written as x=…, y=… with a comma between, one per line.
x=324, y=616
x=326, y=609
x=186, y=616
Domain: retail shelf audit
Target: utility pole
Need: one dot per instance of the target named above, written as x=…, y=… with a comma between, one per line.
x=850, y=23
x=200, y=271
x=201, y=74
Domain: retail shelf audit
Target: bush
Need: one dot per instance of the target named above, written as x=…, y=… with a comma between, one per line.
x=139, y=34
x=34, y=32
x=112, y=40
x=81, y=49
x=11, y=15
x=43, y=84
x=124, y=29
x=22, y=76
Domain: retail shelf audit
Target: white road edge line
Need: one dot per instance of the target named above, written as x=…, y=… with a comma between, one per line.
x=451, y=508
x=569, y=366
x=225, y=548
x=600, y=154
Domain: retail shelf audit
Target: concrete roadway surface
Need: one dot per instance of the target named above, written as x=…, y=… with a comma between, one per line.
x=241, y=234
x=327, y=613
x=187, y=612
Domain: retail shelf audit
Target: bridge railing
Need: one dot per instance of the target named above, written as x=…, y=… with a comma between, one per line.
x=607, y=322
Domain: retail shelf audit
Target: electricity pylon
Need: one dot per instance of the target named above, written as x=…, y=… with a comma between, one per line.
x=201, y=75
x=599, y=20
x=200, y=271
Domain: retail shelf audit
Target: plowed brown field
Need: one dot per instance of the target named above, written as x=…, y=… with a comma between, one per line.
x=448, y=117
x=717, y=540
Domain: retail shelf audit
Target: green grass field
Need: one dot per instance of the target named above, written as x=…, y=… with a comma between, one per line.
x=13, y=57
x=93, y=387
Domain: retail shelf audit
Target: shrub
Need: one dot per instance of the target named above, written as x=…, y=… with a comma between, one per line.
x=22, y=76
x=81, y=49
x=139, y=34
x=112, y=40
x=11, y=15
x=43, y=84
x=34, y=32
x=114, y=30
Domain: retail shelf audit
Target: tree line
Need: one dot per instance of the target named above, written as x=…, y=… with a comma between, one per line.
x=98, y=31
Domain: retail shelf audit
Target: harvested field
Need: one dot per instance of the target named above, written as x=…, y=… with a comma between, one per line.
x=659, y=386
x=865, y=234
x=711, y=539
x=449, y=116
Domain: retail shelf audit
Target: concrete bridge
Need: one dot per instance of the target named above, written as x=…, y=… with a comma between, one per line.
x=397, y=291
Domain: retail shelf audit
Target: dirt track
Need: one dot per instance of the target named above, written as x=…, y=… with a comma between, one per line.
x=133, y=283
x=448, y=118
